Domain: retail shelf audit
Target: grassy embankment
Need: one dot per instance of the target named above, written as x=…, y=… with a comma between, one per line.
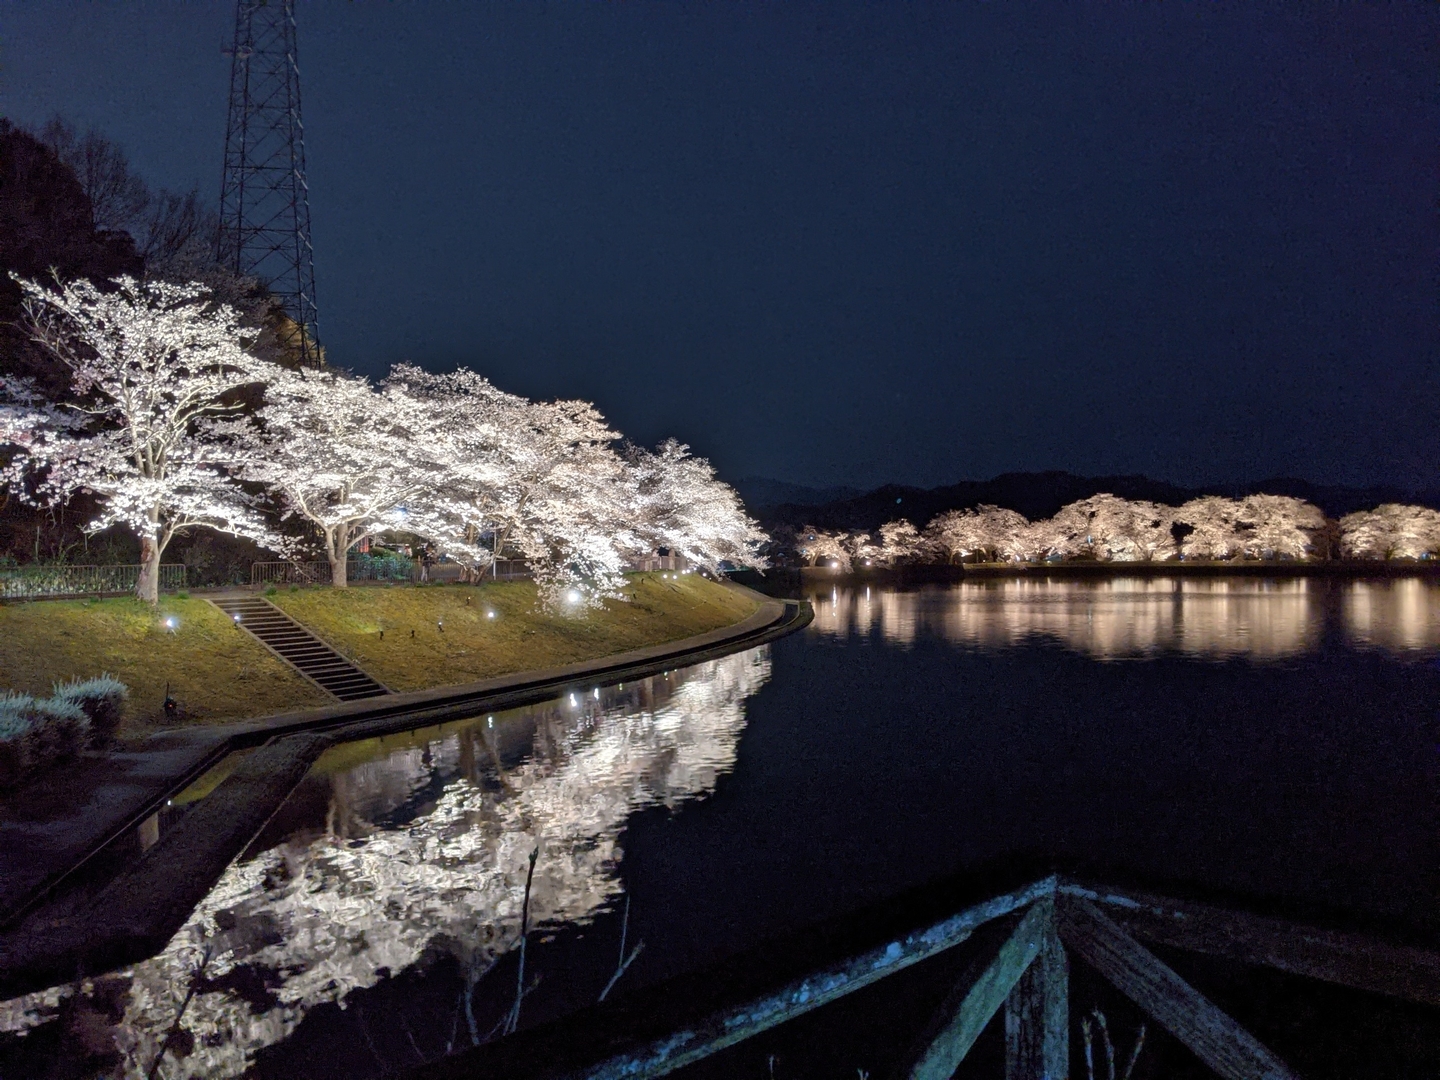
x=473, y=646
x=218, y=673
x=214, y=670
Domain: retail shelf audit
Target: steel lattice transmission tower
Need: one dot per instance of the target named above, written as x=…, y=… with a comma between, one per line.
x=264, y=200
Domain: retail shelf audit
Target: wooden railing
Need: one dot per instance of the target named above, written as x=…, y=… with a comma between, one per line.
x=1018, y=947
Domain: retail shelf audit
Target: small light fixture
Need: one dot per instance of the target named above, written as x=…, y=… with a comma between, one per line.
x=573, y=596
x=597, y=693
x=572, y=700
x=489, y=614
x=171, y=623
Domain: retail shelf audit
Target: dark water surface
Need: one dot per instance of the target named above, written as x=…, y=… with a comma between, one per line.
x=1272, y=738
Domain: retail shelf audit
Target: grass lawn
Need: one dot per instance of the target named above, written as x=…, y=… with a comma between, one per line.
x=474, y=646
x=215, y=671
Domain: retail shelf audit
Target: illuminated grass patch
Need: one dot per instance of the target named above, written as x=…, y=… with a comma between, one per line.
x=472, y=644
x=214, y=671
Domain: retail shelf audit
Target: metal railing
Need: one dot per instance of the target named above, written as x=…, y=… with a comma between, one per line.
x=318, y=573
x=508, y=570
x=28, y=582
x=661, y=562
x=290, y=573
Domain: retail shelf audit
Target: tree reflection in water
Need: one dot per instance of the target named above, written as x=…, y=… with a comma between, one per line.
x=1116, y=618
x=426, y=847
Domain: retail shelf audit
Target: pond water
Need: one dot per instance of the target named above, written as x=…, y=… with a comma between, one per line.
x=1268, y=737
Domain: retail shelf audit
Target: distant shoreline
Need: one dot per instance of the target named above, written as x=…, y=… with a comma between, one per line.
x=1348, y=568
x=798, y=577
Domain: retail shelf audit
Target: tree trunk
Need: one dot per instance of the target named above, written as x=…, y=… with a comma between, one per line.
x=337, y=553
x=498, y=540
x=147, y=588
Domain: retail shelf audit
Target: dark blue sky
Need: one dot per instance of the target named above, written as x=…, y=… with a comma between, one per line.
x=838, y=244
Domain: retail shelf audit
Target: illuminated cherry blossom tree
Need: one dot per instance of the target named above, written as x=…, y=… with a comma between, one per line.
x=341, y=455
x=542, y=478
x=563, y=505
x=679, y=504
x=1278, y=526
x=992, y=533
x=1391, y=531
x=484, y=431
x=1257, y=527
x=900, y=542
x=1108, y=528
x=1215, y=529
x=863, y=549
x=813, y=545
x=153, y=366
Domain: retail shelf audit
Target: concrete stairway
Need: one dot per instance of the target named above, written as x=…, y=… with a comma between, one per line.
x=298, y=647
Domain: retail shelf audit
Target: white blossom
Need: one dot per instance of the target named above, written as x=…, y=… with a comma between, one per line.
x=340, y=455
x=1391, y=531
x=900, y=542
x=679, y=504
x=814, y=545
x=151, y=365
x=1107, y=528
x=992, y=533
x=1278, y=526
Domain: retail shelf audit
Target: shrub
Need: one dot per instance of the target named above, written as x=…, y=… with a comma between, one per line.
x=40, y=733
x=61, y=730
x=103, y=701
x=17, y=721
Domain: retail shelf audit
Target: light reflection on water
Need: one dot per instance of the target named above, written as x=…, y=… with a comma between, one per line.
x=399, y=849
x=1210, y=618
x=423, y=844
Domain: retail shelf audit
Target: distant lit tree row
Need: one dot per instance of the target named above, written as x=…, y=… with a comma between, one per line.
x=174, y=424
x=1107, y=528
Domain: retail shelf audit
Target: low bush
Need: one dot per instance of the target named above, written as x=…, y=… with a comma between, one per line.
x=40, y=733
x=61, y=730
x=17, y=721
x=102, y=699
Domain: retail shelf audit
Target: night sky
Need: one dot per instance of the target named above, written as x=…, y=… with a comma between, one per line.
x=850, y=245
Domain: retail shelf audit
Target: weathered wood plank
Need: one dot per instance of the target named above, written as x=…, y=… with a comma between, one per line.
x=1037, y=1016
x=1211, y=1035
x=731, y=1026
x=979, y=995
x=1346, y=959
